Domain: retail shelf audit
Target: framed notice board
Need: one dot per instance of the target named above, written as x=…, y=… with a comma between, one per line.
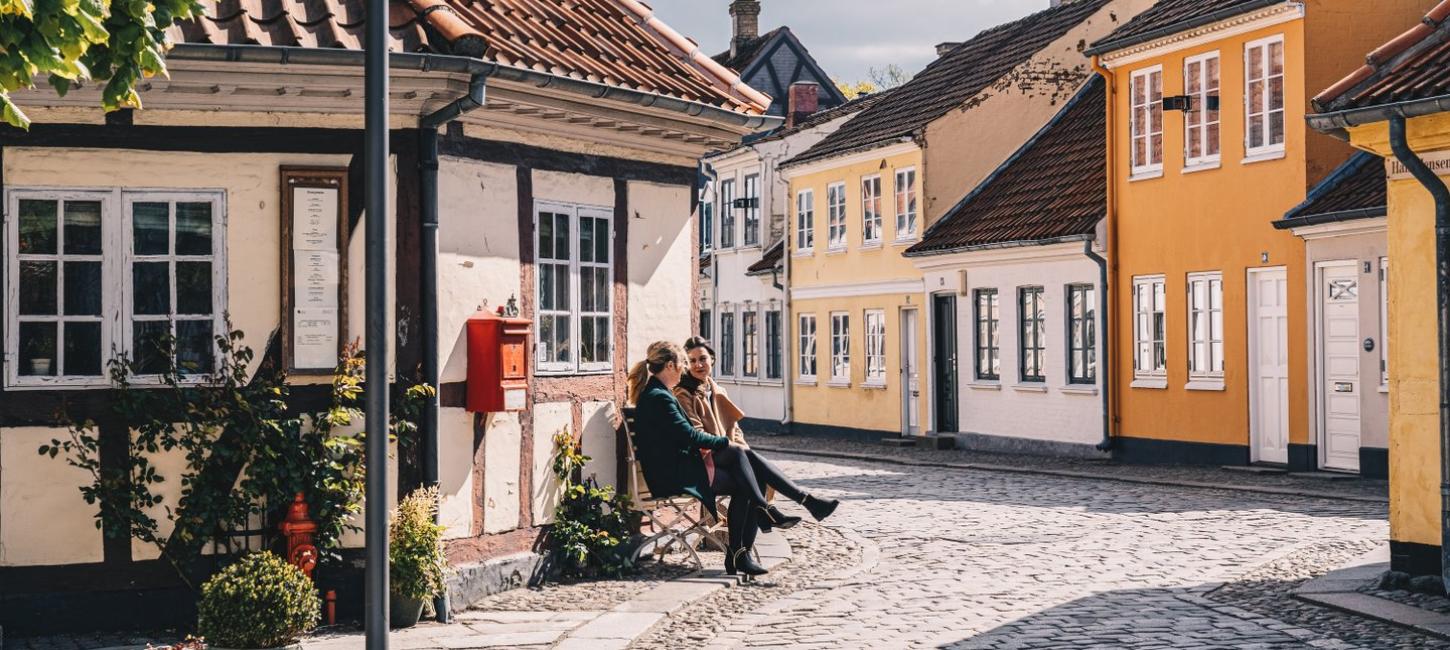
x=314, y=268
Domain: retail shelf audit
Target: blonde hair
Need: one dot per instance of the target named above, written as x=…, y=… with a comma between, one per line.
x=660, y=354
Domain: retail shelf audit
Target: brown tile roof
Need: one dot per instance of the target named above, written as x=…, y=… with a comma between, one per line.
x=1354, y=190
x=770, y=261
x=1054, y=187
x=612, y=42
x=1173, y=16
x=952, y=79
x=1411, y=66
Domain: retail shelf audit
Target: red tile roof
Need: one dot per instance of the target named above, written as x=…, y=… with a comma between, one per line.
x=613, y=42
x=1411, y=66
x=1054, y=187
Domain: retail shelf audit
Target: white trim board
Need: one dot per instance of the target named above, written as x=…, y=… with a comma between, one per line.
x=1373, y=226
x=1002, y=256
x=858, y=289
x=1202, y=35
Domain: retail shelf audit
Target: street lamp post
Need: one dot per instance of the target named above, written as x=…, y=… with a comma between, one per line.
x=375, y=154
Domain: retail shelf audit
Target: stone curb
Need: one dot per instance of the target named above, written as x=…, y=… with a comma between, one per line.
x=1339, y=590
x=988, y=467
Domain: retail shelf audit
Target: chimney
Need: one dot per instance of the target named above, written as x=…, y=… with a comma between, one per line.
x=805, y=97
x=943, y=48
x=745, y=21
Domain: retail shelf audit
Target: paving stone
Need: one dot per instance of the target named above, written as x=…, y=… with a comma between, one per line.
x=617, y=625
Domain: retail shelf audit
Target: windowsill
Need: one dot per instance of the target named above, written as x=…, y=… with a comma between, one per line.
x=805, y=252
x=805, y=381
x=906, y=242
x=1030, y=388
x=839, y=383
x=874, y=385
x=871, y=245
x=568, y=373
x=1264, y=156
x=1078, y=389
x=985, y=385
x=1384, y=388
x=1155, y=383
x=835, y=251
x=1205, y=384
x=1202, y=166
x=1146, y=174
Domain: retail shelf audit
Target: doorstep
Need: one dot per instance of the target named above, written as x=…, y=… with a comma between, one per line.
x=1339, y=589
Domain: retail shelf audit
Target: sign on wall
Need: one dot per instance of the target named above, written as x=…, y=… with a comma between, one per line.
x=1437, y=161
x=314, y=268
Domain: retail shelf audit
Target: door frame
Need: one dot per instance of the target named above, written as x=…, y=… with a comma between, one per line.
x=1318, y=416
x=937, y=387
x=1251, y=305
x=908, y=361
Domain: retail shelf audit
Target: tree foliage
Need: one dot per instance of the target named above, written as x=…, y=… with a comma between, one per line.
x=877, y=80
x=70, y=41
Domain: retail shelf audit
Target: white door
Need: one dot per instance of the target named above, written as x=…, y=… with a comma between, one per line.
x=910, y=376
x=1339, y=380
x=1269, y=365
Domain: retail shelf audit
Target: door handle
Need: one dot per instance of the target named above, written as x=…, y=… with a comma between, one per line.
x=1343, y=387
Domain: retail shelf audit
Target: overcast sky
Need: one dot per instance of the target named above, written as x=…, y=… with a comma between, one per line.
x=848, y=37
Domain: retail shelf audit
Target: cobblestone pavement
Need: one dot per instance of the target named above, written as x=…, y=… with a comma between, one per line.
x=975, y=559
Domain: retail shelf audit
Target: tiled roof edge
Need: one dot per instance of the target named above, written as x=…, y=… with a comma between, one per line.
x=1288, y=223
x=919, y=249
x=1345, y=170
x=1430, y=32
x=1109, y=44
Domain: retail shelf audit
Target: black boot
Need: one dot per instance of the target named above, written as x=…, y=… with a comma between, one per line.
x=820, y=508
x=770, y=518
x=740, y=560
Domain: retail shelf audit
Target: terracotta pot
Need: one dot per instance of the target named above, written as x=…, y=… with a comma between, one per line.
x=403, y=611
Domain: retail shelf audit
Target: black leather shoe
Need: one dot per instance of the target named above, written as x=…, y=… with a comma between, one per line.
x=820, y=508
x=770, y=518
x=744, y=562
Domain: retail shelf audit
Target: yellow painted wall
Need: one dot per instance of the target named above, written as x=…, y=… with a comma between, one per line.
x=855, y=407
x=1211, y=220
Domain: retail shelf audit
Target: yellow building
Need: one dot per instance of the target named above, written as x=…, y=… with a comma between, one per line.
x=1208, y=147
x=865, y=361
x=1403, y=98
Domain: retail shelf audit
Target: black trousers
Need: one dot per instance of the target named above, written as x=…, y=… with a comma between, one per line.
x=744, y=474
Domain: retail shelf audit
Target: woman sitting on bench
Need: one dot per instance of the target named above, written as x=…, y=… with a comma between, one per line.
x=671, y=454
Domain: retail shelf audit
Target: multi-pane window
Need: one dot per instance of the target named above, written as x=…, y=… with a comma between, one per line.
x=1082, y=341
x=1205, y=325
x=97, y=273
x=987, y=341
x=836, y=216
x=1032, y=316
x=840, y=347
x=1264, y=95
x=727, y=343
x=805, y=220
x=575, y=287
x=1149, y=328
x=752, y=210
x=727, y=214
x=871, y=210
x=905, y=203
x=1384, y=321
x=807, y=361
x=1201, y=125
x=1146, y=120
x=774, y=338
x=750, y=343
x=875, y=347
x=706, y=317
x=707, y=226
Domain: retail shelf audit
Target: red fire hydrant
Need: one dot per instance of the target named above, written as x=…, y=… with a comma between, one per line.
x=298, y=528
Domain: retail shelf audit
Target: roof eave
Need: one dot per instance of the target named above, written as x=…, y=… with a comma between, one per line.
x=1107, y=45
x=1330, y=217
x=1016, y=243
x=1337, y=122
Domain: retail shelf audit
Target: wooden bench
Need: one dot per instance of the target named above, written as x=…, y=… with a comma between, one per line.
x=674, y=520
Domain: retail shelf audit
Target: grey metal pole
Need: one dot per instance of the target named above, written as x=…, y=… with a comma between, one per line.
x=375, y=154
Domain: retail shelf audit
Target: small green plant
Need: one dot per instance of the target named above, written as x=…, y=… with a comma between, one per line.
x=259, y=602
x=591, y=523
x=417, y=565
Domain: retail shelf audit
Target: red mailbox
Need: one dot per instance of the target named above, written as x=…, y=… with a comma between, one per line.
x=498, y=378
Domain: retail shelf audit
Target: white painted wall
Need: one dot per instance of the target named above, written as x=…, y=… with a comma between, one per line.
x=1063, y=412
x=455, y=472
x=478, y=251
x=549, y=419
x=43, y=519
x=660, y=265
x=502, y=438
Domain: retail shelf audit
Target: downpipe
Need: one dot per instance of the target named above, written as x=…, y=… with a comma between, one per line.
x=1441, y=194
x=1104, y=368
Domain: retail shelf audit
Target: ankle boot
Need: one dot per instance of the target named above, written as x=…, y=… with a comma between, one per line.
x=770, y=517
x=820, y=508
x=740, y=560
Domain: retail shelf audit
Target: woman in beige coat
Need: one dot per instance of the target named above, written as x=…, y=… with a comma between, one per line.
x=708, y=407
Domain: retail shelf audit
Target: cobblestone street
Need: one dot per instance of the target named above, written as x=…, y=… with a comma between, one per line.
x=977, y=559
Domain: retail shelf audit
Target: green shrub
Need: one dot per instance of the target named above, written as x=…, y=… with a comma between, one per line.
x=592, y=524
x=259, y=602
x=416, y=564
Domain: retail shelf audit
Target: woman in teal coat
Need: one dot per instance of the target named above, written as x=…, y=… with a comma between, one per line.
x=669, y=451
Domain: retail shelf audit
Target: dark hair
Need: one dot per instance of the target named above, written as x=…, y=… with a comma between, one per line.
x=695, y=342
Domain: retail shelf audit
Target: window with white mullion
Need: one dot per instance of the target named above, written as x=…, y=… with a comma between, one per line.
x=805, y=216
x=905, y=204
x=840, y=348
x=574, y=288
x=807, y=362
x=553, y=273
x=727, y=214
x=752, y=210
x=836, y=216
x=596, y=290
x=875, y=347
x=774, y=339
x=1201, y=125
x=1264, y=96
x=172, y=281
x=750, y=343
x=1205, y=323
x=871, y=210
x=1149, y=328
x=1145, y=120
x=727, y=342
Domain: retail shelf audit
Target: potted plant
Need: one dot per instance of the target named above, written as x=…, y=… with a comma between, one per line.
x=417, y=566
x=40, y=356
x=260, y=602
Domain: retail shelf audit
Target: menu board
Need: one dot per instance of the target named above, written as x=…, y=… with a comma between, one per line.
x=314, y=268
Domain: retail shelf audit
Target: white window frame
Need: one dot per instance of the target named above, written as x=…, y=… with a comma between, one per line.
x=750, y=343
x=805, y=221
x=575, y=314
x=840, y=348
x=726, y=215
x=116, y=272
x=1384, y=323
x=1200, y=106
x=1150, y=354
x=836, y=217
x=871, y=220
x=1205, y=348
x=728, y=336
x=1267, y=149
x=1138, y=131
x=806, y=360
x=908, y=200
x=774, y=345
x=875, y=340
x=751, y=219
